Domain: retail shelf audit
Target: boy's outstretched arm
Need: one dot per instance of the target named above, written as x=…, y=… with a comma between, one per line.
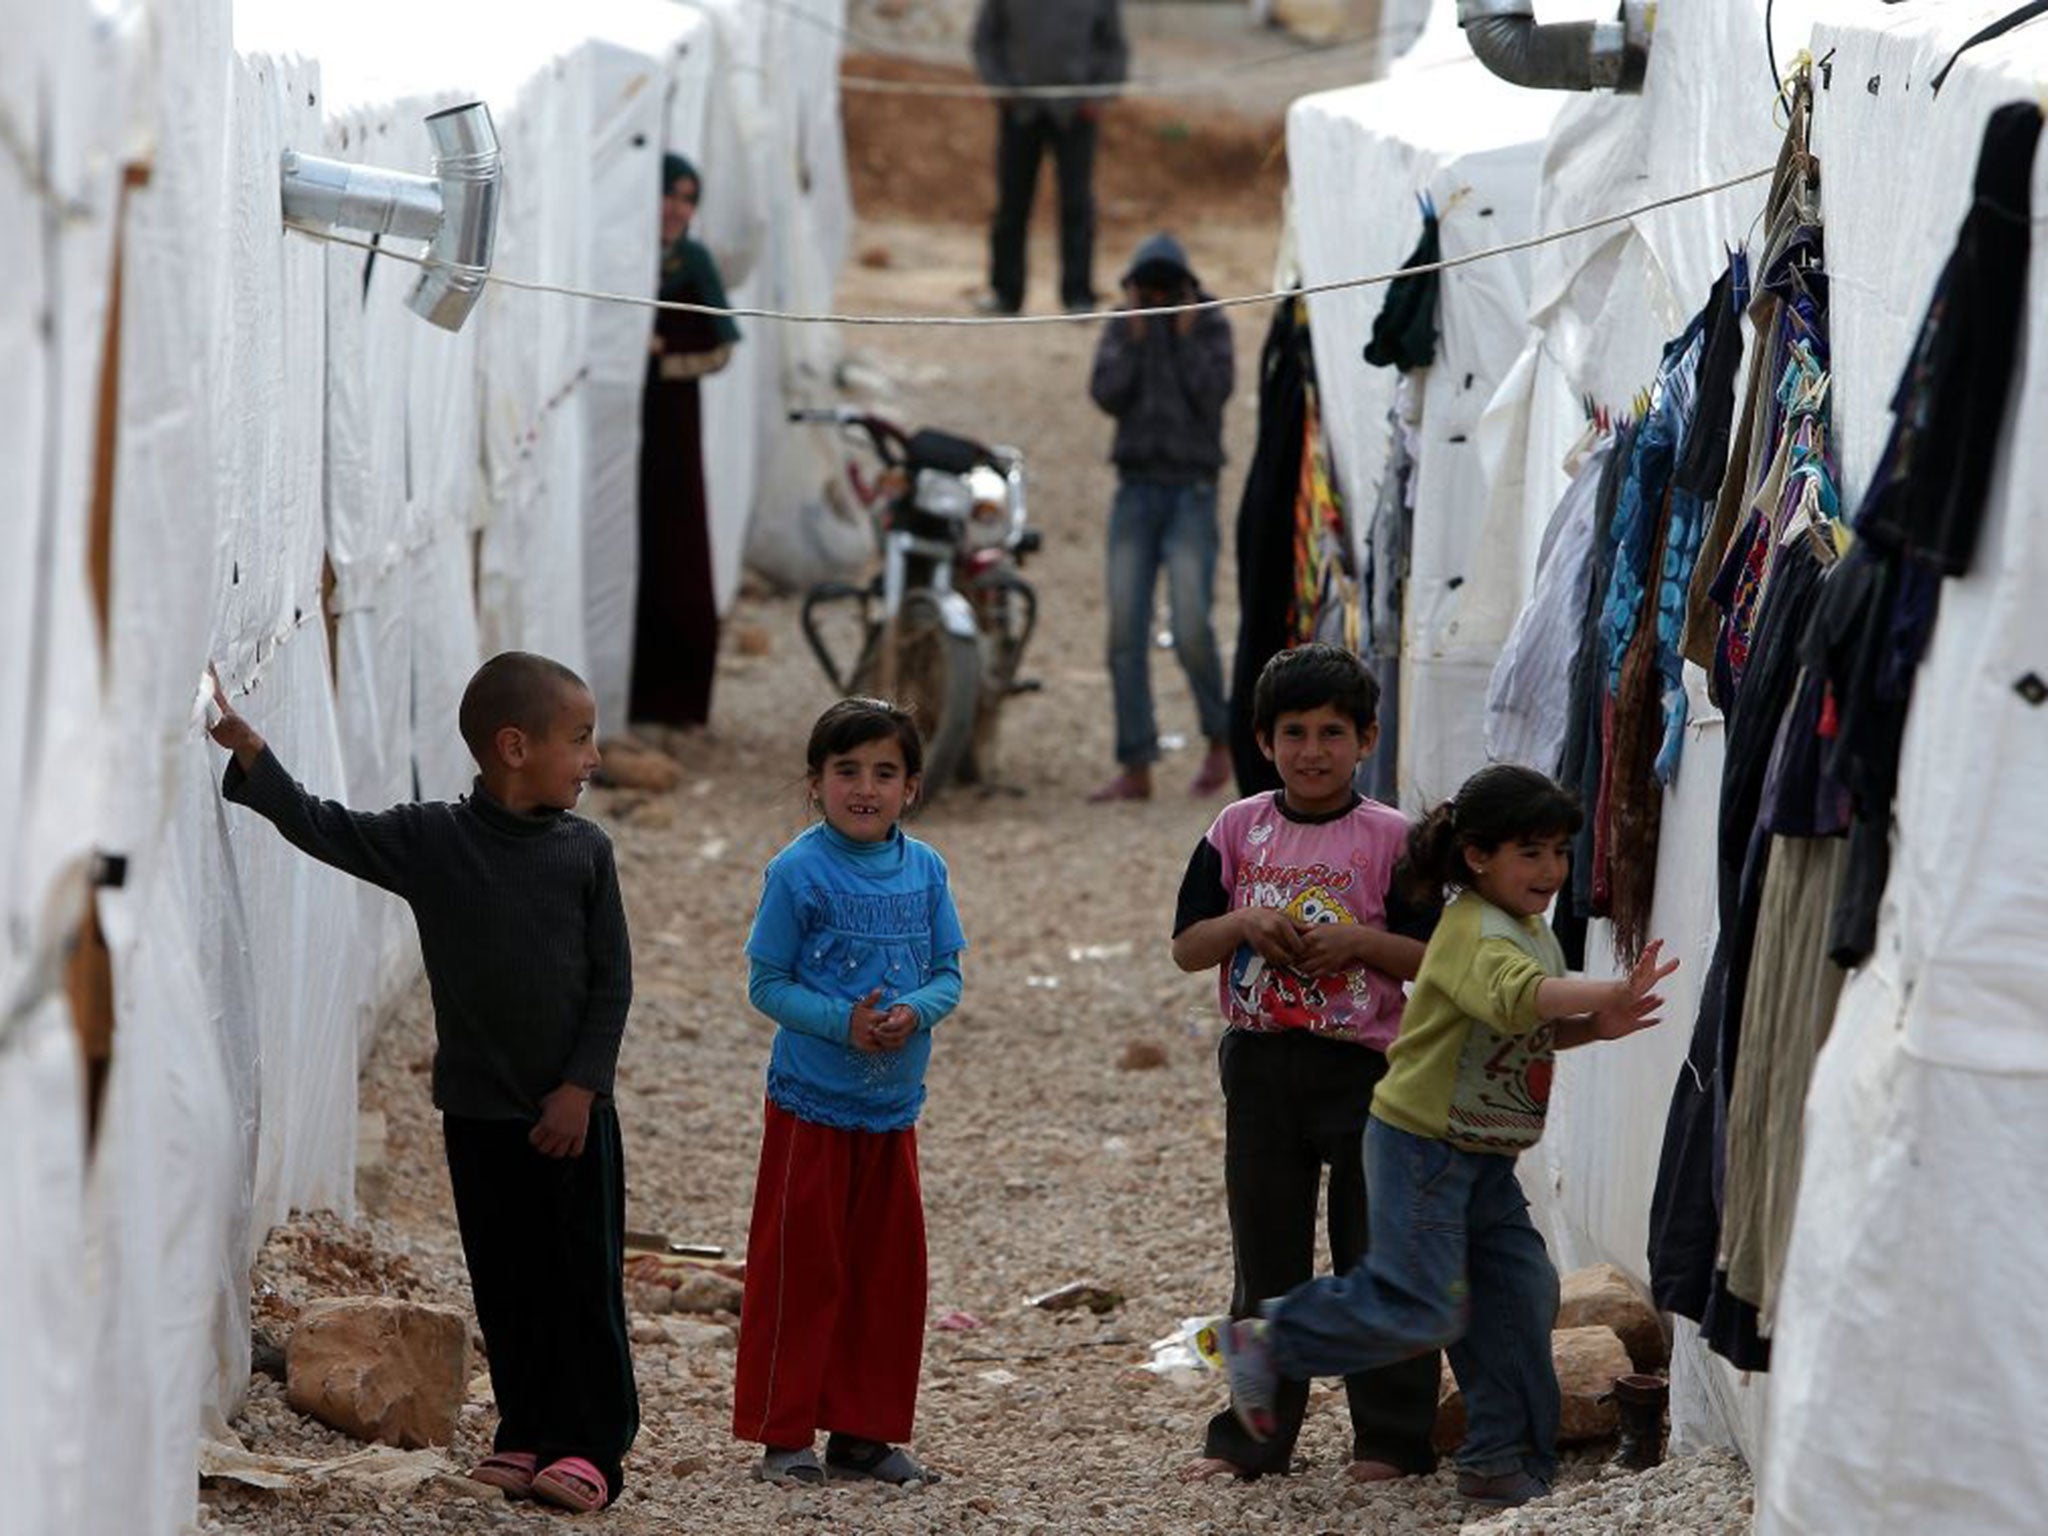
x=379, y=848
x=231, y=730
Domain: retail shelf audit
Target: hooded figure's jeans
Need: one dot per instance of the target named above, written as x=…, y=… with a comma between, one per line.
x=1453, y=1264
x=1153, y=524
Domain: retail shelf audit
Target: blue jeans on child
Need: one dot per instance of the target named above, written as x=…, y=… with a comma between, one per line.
x=1151, y=524
x=1453, y=1264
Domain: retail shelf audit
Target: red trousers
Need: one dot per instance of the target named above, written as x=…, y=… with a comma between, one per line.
x=832, y=1326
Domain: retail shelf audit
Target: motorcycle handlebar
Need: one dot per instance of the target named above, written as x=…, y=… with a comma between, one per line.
x=889, y=440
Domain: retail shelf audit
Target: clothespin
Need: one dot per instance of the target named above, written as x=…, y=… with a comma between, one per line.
x=1426, y=203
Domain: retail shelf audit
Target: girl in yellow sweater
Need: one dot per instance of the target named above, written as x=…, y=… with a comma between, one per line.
x=1454, y=1262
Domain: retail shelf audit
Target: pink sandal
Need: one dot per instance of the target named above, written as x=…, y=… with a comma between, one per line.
x=572, y=1483
x=510, y=1470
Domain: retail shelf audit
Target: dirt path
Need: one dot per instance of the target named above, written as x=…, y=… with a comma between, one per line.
x=1044, y=1161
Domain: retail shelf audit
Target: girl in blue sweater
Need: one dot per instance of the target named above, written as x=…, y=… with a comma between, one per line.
x=855, y=954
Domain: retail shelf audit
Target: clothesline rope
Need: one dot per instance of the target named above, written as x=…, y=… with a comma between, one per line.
x=737, y=312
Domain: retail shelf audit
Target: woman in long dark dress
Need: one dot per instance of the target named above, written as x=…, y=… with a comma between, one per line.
x=675, y=632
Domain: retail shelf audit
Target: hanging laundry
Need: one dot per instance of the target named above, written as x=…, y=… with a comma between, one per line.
x=1695, y=479
x=1920, y=517
x=1404, y=331
x=1528, y=699
x=1628, y=814
x=1753, y=590
x=1685, y=1208
x=1790, y=298
x=1584, y=744
x=1383, y=583
x=1265, y=530
x=1323, y=586
x=1789, y=997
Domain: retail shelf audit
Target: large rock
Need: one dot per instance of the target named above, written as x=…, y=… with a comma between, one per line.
x=632, y=764
x=380, y=1369
x=1587, y=1361
x=1605, y=1297
x=704, y=1290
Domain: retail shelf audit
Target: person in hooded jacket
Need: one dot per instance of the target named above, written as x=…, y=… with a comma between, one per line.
x=1165, y=378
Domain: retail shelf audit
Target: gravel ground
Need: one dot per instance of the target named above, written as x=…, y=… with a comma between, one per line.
x=1044, y=1161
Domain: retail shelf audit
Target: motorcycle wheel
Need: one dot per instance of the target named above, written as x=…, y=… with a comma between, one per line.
x=938, y=679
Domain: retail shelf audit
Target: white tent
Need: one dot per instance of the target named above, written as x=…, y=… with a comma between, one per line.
x=1531, y=332
x=1913, y=1343
x=1899, y=1400
x=285, y=449
x=1359, y=158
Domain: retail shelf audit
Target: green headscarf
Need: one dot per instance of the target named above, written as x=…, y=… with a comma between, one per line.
x=688, y=274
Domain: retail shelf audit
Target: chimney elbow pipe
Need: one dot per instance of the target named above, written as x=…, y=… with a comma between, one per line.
x=467, y=164
x=1561, y=56
x=455, y=210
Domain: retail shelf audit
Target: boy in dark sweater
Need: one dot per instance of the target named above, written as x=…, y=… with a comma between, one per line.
x=524, y=935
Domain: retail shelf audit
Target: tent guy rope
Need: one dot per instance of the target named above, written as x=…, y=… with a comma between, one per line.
x=1240, y=301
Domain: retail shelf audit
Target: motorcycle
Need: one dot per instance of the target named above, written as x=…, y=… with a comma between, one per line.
x=944, y=622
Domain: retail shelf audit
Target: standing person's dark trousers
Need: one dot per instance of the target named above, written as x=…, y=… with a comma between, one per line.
x=545, y=1240
x=1022, y=137
x=1293, y=1103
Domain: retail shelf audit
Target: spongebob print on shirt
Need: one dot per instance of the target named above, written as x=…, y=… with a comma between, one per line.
x=1330, y=871
x=1280, y=996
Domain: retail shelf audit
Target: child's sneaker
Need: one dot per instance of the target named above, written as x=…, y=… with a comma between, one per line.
x=1502, y=1490
x=1247, y=1358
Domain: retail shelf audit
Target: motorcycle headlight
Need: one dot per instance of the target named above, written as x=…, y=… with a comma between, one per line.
x=943, y=495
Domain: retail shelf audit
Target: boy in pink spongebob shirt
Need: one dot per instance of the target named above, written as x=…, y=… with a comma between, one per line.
x=1292, y=897
x=1333, y=869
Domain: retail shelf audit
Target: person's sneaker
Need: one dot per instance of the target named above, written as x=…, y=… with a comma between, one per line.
x=989, y=302
x=1248, y=1365
x=1502, y=1490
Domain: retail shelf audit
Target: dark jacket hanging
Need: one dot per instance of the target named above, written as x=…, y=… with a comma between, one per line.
x=1265, y=533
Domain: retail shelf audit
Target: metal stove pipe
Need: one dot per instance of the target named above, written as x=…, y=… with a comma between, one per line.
x=1563, y=55
x=455, y=209
x=466, y=161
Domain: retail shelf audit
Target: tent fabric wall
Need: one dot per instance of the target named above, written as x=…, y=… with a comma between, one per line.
x=1900, y=1400
x=1601, y=306
x=56, y=239
x=1913, y=1339
x=788, y=92
x=280, y=423
x=1586, y=314
x=1358, y=158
